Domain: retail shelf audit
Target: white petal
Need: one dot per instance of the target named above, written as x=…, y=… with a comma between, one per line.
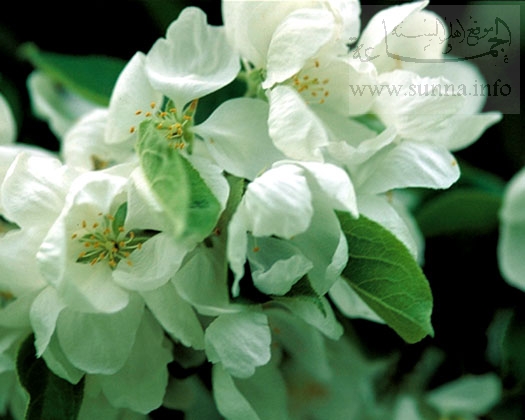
x=295, y=128
x=278, y=203
x=460, y=74
x=372, y=40
x=299, y=37
x=230, y=402
x=304, y=343
x=266, y=392
x=473, y=394
x=132, y=93
x=464, y=130
x=44, y=314
x=236, y=135
x=141, y=383
x=175, y=315
x=112, y=335
x=318, y=314
x=90, y=289
x=408, y=164
x=236, y=247
x=193, y=60
x=199, y=283
x=8, y=129
x=249, y=348
x=514, y=199
x=420, y=36
x=420, y=108
x=20, y=272
x=325, y=246
x=250, y=25
x=277, y=265
x=151, y=266
x=335, y=184
x=34, y=189
x=85, y=148
x=58, y=363
x=510, y=253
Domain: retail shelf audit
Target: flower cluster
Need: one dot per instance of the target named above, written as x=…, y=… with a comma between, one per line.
x=229, y=241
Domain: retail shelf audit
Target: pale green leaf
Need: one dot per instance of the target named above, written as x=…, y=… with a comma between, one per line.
x=188, y=202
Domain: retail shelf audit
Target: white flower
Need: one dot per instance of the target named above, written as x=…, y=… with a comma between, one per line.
x=512, y=232
x=192, y=61
x=301, y=51
x=252, y=25
x=295, y=202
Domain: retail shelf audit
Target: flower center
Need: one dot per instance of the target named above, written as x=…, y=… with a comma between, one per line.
x=312, y=87
x=177, y=127
x=106, y=239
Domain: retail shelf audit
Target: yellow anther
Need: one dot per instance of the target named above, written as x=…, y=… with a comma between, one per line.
x=160, y=126
x=256, y=249
x=95, y=225
x=132, y=129
x=148, y=114
x=121, y=229
x=128, y=262
x=110, y=217
x=138, y=112
x=74, y=236
x=163, y=114
x=82, y=254
x=87, y=244
x=173, y=110
x=84, y=224
x=152, y=105
x=316, y=63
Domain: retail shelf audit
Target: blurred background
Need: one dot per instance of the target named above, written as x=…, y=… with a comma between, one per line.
x=469, y=292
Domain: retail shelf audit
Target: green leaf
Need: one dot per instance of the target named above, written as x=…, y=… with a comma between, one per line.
x=459, y=210
x=90, y=76
x=385, y=275
x=50, y=397
x=187, y=200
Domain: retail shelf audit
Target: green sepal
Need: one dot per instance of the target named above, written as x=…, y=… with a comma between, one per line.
x=50, y=397
x=384, y=274
x=119, y=218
